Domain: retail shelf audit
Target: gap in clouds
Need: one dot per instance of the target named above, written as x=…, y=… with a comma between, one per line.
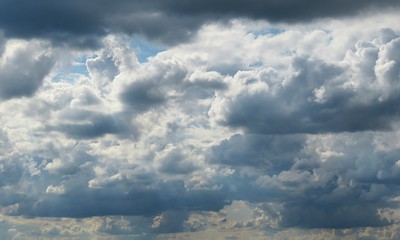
x=145, y=49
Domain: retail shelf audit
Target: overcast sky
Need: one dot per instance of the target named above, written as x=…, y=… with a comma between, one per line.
x=177, y=119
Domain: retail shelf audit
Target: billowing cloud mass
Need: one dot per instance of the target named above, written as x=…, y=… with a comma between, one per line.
x=247, y=120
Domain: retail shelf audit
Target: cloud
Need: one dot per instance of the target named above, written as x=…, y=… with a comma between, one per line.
x=173, y=160
x=317, y=97
x=271, y=153
x=276, y=10
x=102, y=69
x=320, y=194
x=295, y=127
x=2, y=43
x=80, y=23
x=311, y=215
x=152, y=86
x=337, y=183
x=85, y=202
x=23, y=67
x=10, y=173
x=169, y=222
x=142, y=96
x=67, y=20
x=94, y=125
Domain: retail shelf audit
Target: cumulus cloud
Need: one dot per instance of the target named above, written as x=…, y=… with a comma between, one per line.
x=142, y=96
x=294, y=126
x=315, y=96
x=23, y=67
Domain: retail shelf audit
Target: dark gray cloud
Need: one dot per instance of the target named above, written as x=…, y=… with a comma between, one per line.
x=2, y=43
x=349, y=192
x=267, y=152
x=98, y=127
x=275, y=10
x=142, y=96
x=336, y=116
x=10, y=174
x=77, y=21
x=338, y=183
x=177, y=162
x=92, y=125
x=347, y=215
x=63, y=183
x=86, y=202
x=153, y=87
x=170, y=222
x=80, y=22
x=22, y=73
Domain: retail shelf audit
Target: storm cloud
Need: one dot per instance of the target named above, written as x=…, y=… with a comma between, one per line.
x=81, y=23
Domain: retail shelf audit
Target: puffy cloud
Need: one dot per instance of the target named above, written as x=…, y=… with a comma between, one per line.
x=142, y=96
x=23, y=67
x=265, y=126
x=152, y=86
x=315, y=96
x=102, y=69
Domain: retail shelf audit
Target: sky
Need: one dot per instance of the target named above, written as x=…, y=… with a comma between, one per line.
x=183, y=119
